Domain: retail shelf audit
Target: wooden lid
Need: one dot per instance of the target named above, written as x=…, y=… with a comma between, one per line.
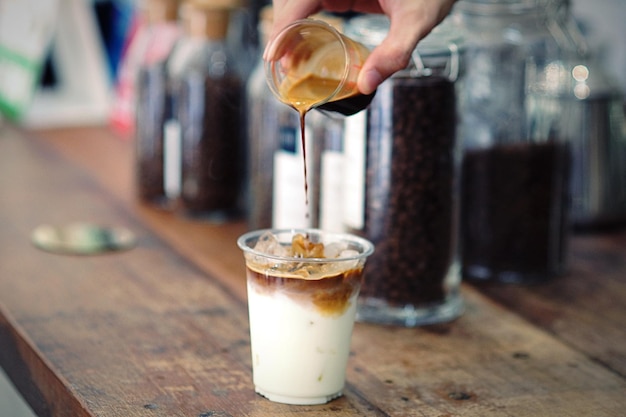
x=208, y=18
x=158, y=11
x=216, y=4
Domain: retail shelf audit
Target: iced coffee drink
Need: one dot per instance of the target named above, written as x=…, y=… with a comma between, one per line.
x=302, y=292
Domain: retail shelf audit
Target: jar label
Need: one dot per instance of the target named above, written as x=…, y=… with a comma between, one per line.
x=355, y=143
x=172, y=158
x=331, y=191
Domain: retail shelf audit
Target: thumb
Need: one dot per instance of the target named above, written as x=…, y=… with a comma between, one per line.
x=394, y=52
x=380, y=65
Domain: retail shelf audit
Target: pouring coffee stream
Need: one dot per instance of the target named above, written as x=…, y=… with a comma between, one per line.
x=303, y=95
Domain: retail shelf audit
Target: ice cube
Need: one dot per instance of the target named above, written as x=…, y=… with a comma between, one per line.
x=334, y=249
x=348, y=253
x=269, y=245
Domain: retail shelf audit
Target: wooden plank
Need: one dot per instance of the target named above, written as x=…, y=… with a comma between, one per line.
x=109, y=159
x=490, y=362
x=586, y=308
x=130, y=333
x=156, y=332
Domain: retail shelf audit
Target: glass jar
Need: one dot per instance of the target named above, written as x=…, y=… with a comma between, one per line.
x=575, y=100
x=515, y=185
x=209, y=107
x=153, y=107
x=401, y=191
x=504, y=36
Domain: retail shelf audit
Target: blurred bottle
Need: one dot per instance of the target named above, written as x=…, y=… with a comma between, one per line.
x=154, y=106
x=209, y=107
x=122, y=116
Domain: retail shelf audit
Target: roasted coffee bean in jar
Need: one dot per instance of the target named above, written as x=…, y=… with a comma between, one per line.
x=212, y=157
x=405, y=199
x=514, y=217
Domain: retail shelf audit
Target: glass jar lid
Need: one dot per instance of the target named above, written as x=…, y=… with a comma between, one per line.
x=496, y=8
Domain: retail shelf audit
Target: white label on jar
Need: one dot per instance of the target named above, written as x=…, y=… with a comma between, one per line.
x=289, y=200
x=331, y=191
x=354, y=142
x=172, y=158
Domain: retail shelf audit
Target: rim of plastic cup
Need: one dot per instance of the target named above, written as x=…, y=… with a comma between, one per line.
x=368, y=247
x=269, y=64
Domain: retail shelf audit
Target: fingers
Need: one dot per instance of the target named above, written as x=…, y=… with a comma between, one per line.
x=392, y=55
x=410, y=21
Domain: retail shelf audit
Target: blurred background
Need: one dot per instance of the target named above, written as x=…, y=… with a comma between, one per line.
x=69, y=53
x=60, y=60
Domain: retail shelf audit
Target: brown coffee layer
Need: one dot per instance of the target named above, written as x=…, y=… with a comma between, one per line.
x=329, y=295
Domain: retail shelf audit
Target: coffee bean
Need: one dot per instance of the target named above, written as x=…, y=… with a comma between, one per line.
x=410, y=197
x=212, y=130
x=514, y=212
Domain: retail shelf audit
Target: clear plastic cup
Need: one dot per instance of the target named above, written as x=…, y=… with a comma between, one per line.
x=302, y=312
x=311, y=64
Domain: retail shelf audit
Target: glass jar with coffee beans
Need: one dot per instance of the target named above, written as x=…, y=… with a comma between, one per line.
x=515, y=186
x=211, y=113
x=401, y=183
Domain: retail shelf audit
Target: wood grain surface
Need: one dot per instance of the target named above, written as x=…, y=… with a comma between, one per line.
x=162, y=329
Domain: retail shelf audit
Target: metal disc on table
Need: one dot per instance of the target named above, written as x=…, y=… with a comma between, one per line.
x=82, y=239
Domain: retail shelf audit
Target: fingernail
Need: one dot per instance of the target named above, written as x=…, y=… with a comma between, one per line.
x=369, y=81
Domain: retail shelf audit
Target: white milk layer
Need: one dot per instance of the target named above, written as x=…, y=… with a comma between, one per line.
x=299, y=355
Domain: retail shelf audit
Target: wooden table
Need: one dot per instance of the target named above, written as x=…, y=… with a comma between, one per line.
x=162, y=329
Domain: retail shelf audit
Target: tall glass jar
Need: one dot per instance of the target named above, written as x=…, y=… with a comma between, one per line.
x=153, y=107
x=515, y=185
x=210, y=111
x=575, y=98
x=401, y=191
